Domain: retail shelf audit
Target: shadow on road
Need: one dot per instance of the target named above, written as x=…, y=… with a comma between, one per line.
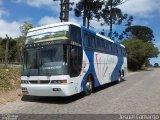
x=53, y=100
x=64, y=100
x=105, y=86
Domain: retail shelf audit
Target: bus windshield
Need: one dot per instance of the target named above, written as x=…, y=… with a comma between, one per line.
x=59, y=35
x=46, y=61
x=49, y=34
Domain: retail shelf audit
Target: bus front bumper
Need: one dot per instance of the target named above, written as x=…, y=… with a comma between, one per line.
x=46, y=90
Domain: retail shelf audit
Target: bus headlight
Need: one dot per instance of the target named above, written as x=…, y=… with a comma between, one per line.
x=24, y=82
x=58, y=81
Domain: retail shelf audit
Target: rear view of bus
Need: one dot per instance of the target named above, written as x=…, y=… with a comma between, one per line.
x=52, y=55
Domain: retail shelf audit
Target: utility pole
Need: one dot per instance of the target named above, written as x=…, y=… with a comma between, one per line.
x=111, y=6
x=84, y=14
x=64, y=9
x=6, y=52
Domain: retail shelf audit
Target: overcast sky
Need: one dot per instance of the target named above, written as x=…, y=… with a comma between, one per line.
x=40, y=12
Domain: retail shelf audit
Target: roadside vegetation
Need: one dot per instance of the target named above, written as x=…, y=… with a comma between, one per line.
x=140, y=47
x=9, y=79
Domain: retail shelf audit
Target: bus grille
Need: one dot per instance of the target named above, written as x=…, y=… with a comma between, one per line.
x=39, y=81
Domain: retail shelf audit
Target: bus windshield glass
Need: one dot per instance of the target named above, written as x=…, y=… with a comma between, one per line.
x=46, y=61
x=49, y=34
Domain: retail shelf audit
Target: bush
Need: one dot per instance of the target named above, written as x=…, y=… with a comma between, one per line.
x=9, y=78
x=138, y=52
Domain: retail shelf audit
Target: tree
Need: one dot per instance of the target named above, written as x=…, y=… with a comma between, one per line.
x=138, y=52
x=6, y=51
x=90, y=9
x=113, y=15
x=2, y=53
x=21, y=39
x=25, y=27
x=148, y=64
x=141, y=32
x=15, y=49
x=19, y=47
x=2, y=50
x=12, y=49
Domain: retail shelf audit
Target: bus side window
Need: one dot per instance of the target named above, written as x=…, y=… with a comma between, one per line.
x=119, y=50
x=75, y=34
x=110, y=48
x=102, y=44
x=85, y=40
x=89, y=40
x=116, y=49
x=99, y=44
x=106, y=46
x=93, y=41
x=125, y=53
x=122, y=51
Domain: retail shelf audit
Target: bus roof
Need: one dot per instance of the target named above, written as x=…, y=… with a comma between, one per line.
x=122, y=45
x=104, y=37
x=52, y=25
x=69, y=23
x=108, y=39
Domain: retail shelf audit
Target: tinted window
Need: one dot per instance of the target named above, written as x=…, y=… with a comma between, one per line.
x=110, y=48
x=75, y=61
x=49, y=60
x=48, y=34
x=75, y=33
x=124, y=51
x=107, y=46
x=118, y=50
x=89, y=40
x=100, y=45
x=113, y=48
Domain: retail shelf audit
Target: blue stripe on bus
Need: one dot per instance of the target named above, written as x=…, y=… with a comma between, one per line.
x=118, y=67
x=91, y=70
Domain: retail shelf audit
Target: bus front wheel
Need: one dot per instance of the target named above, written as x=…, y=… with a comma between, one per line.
x=88, y=86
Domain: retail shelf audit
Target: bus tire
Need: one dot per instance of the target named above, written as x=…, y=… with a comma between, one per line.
x=119, y=78
x=88, y=86
x=122, y=75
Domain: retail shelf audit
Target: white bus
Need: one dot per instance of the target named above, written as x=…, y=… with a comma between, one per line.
x=64, y=59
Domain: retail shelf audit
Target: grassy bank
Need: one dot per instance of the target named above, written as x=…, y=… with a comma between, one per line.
x=9, y=78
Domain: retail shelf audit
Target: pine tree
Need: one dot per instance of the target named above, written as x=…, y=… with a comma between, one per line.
x=88, y=9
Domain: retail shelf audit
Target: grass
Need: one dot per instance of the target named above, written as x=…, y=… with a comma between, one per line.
x=9, y=78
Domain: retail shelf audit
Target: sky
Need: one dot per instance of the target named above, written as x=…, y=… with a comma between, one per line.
x=14, y=13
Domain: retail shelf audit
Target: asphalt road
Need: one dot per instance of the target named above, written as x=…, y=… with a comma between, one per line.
x=138, y=94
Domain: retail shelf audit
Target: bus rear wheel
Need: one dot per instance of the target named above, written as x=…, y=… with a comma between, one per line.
x=88, y=86
x=120, y=78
